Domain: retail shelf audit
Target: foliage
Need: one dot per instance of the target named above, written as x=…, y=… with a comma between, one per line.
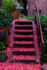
x=29, y=18
x=2, y=45
x=43, y=19
x=45, y=52
x=3, y=56
x=8, y=5
x=5, y=19
x=6, y=43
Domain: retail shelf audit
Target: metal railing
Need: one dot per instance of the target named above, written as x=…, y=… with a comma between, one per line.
x=39, y=24
x=40, y=34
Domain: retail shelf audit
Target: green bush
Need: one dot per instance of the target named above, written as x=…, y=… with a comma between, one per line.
x=29, y=18
x=43, y=18
x=5, y=19
x=3, y=56
x=2, y=45
x=8, y=5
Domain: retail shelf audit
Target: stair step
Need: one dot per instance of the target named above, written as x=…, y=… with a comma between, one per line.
x=23, y=42
x=23, y=45
x=23, y=23
x=22, y=57
x=24, y=33
x=18, y=30
x=30, y=36
x=23, y=39
x=25, y=61
x=23, y=53
x=24, y=49
x=28, y=28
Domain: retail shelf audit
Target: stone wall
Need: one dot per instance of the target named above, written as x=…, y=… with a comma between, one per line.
x=42, y=5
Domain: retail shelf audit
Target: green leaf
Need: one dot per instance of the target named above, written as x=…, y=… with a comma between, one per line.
x=2, y=45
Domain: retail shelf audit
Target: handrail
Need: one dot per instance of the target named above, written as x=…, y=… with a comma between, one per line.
x=39, y=23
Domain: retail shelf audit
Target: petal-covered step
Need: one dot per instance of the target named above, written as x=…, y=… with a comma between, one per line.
x=23, y=53
x=24, y=33
x=23, y=42
x=22, y=57
x=23, y=45
x=24, y=49
x=24, y=61
x=23, y=27
x=30, y=36
x=23, y=23
x=23, y=39
x=18, y=30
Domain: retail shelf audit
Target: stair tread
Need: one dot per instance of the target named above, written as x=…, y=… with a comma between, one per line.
x=23, y=49
x=23, y=42
x=22, y=57
x=18, y=30
x=23, y=25
x=23, y=36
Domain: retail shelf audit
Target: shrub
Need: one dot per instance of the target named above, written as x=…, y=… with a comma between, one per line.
x=9, y=5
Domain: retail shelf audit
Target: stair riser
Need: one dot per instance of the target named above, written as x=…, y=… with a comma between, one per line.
x=23, y=39
x=25, y=61
x=24, y=28
x=23, y=23
x=23, y=33
x=23, y=45
x=23, y=53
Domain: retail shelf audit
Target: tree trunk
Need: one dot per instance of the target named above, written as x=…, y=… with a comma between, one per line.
x=0, y=3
